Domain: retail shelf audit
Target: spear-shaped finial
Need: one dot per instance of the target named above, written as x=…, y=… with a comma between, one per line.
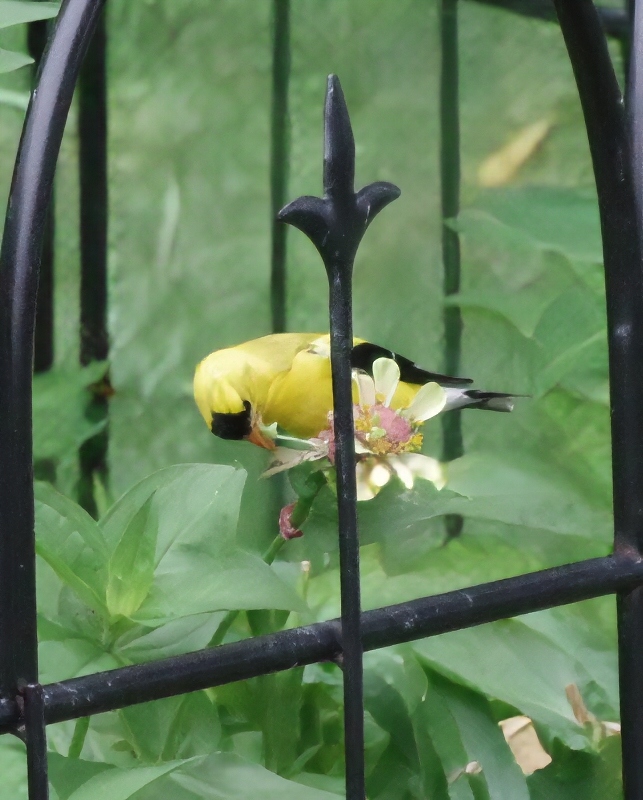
x=337, y=222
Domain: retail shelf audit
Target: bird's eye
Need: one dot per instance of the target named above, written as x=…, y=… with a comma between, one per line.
x=232, y=426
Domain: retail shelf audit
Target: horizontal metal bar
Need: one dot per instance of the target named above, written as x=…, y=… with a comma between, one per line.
x=382, y=627
x=615, y=20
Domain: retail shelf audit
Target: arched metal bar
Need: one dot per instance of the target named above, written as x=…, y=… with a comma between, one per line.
x=37, y=33
x=19, y=261
x=617, y=167
x=614, y=20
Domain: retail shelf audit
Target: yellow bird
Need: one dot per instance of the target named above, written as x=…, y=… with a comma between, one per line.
x=286, y=378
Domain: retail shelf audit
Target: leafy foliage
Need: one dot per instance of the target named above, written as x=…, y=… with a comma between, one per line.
x=15, y=12
x=160, y=571
x=60, y=401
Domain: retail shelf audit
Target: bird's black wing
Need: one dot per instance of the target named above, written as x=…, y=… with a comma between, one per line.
x=363, y=355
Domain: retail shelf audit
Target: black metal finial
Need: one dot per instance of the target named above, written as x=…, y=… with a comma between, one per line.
x=337, y=222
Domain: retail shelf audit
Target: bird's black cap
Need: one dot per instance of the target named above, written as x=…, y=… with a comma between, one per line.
x=232, y=426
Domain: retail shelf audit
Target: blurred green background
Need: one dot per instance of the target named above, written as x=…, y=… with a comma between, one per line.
x=189, y=93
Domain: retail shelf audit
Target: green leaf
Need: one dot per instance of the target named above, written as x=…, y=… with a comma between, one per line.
x=69, y=540
x=60, y=400
x=131, y=567
x=10, y=60
x=471, y=560
x=518, y=666
x=119, y=784
x=281, y=699
x=196, y=728
x=72, y=657
x=562, y=218
x=523, y=491
x=586, y=632
x=120, y=515
x=390, y=514
x=572, y=775
x=505, y=272
x=173, y=728
x=13, y=768
x=15, y=12
x=434, y=717
x=573, y=336
x=178, y=636
x=224, y=775
x=67, y=774
x=199, y=567
x=472, y=723
x=391, y=695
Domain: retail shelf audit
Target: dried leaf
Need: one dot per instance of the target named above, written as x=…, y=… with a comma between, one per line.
x=501, y=166
x=521, y=737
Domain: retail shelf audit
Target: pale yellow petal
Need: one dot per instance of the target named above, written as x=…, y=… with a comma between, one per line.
x=429, y=401
x=365, y=388
x=418, y=466
x=386, y=375
x=380, y=476
x=364, y=490
x=402, y=471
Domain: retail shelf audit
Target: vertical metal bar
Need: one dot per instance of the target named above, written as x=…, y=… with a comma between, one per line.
x=36, y=741
x=44, y=334
x=279, y=171
x=19, y=262
x=336, y=225
x=341, y=344
x=617, y=168
x=94, y=340
x=339, y=175
x=452, y=445
x=279, y=158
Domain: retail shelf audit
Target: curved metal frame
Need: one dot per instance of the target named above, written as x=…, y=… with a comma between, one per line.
x=616, y=143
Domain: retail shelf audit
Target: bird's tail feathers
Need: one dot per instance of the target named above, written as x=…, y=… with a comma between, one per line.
x=489, y=401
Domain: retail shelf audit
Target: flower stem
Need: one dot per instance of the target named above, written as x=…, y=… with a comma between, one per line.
x=275, y=546
x=78, y=737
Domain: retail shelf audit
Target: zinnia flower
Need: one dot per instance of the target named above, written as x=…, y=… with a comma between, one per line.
x=387, y=440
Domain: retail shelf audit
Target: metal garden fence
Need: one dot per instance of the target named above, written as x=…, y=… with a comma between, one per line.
x=335, y=224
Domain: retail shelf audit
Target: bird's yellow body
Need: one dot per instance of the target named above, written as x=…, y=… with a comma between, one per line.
x=284, y=377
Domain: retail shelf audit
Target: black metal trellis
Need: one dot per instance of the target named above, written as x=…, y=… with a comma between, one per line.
x=335, y=224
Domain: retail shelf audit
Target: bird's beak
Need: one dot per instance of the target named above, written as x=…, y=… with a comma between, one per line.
x=258, y=437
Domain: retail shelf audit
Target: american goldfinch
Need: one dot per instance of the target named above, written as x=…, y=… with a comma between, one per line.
x=285, y=378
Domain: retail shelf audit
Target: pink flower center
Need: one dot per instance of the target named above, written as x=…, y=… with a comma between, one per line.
x=380, y=429
x=397, y=428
